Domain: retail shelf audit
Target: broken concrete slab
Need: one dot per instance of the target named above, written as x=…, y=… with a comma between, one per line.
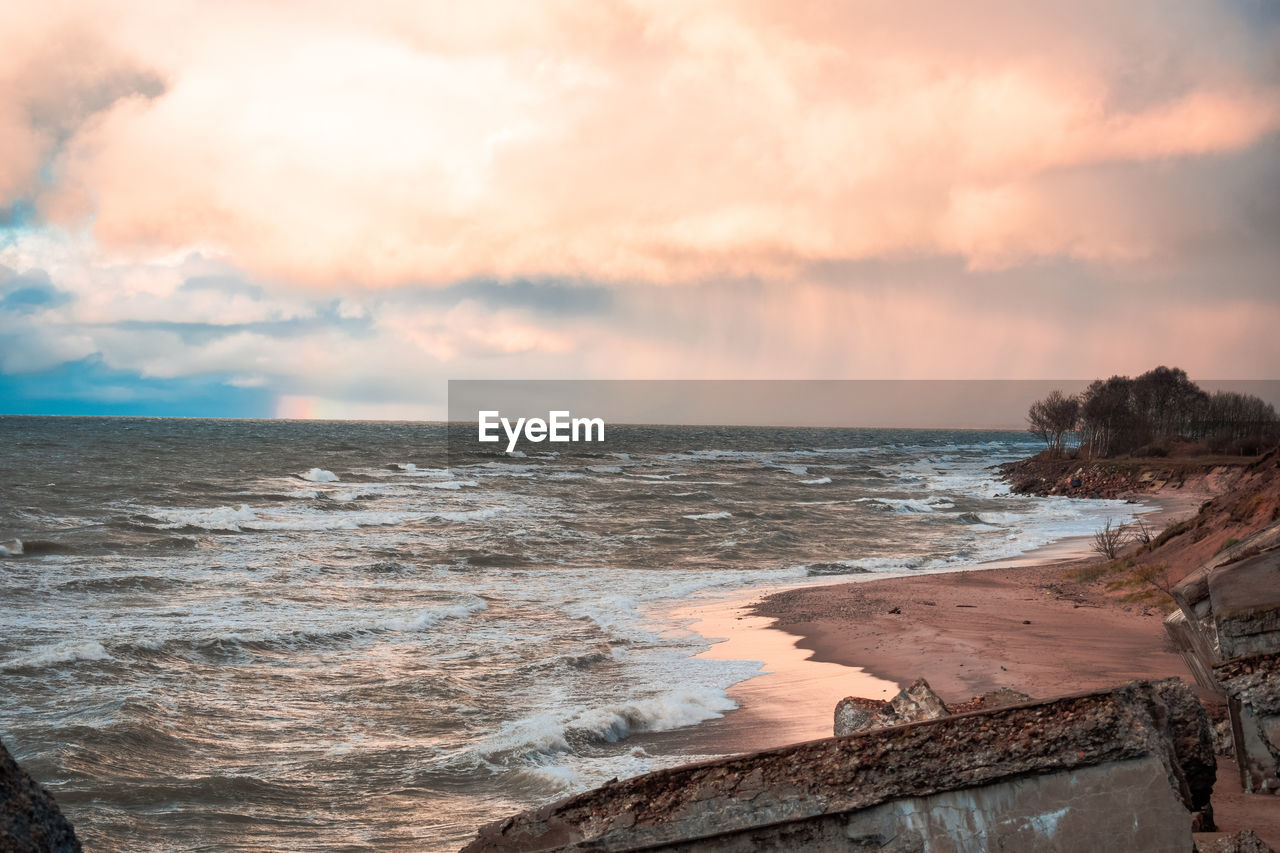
x=1125, y=768
x=1228, y=611
x=1253, y=701
x=1245, y=600
x=1227, y=628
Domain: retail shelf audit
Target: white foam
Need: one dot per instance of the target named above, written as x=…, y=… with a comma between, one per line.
x=449, y=485
x=65, y=652
x=909, y=504
x=821, y=481
x=319, y=475
x=245, y=518
x=549, y=733
x=709, y=516
x=215, y=518
x=12, y=548
x=425, y=619
x=410, y=468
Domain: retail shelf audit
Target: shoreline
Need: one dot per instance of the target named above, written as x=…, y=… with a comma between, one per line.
x=808, y=664
x=963, y=629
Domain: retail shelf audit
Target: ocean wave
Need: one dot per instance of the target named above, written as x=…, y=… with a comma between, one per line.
x=546, y=734
x=913, y=505
x=249, y=639
x=12, y=548
x=482, y=514
x=414, y=470
x=448, y=485
x=68, y=651
x=430, y=618
x=709, y=516
x=247, y=519
x=838, y=567
x=821, y=481
x=319, y=475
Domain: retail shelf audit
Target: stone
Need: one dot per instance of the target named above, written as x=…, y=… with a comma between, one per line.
x=1223, y=741
x=913, y=703
x=30, y=820
x=1244, y=841
x=855, y=714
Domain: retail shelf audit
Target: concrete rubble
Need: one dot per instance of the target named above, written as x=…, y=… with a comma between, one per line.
x=1130, y=768
x=1227, y=629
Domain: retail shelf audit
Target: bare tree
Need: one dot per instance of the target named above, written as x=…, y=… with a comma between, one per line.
x=1109, y=540
x=1052, y=418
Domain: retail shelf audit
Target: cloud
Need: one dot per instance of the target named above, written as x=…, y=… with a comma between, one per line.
x=635, y=141
x=55, y=75
x=29, y=293
x=320, y=208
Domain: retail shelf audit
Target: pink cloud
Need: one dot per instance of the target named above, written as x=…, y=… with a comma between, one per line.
x=637, y=141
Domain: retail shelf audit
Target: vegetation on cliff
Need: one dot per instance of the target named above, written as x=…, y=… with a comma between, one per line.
x=1152, y=415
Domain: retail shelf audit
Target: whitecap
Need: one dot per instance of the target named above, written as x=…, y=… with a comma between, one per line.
x=425, y=619
x=64, y=652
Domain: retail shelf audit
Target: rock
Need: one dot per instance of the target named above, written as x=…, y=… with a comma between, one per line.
x=1223, y=742
x=1244, y=841
x=30, y=821
x=913, y=704
x=855, y=714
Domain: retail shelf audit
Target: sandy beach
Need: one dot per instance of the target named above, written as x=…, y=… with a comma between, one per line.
x=1026, y=624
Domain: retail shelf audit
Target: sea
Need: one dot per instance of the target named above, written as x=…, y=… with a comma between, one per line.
x=243, y=635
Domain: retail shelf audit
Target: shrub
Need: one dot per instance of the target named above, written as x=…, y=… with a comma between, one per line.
x=1109, y=540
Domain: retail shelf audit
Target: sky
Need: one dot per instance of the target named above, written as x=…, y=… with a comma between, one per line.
x=329, y=209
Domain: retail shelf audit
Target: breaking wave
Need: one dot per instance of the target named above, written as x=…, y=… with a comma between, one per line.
x=59, y=653
x=546, y=734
